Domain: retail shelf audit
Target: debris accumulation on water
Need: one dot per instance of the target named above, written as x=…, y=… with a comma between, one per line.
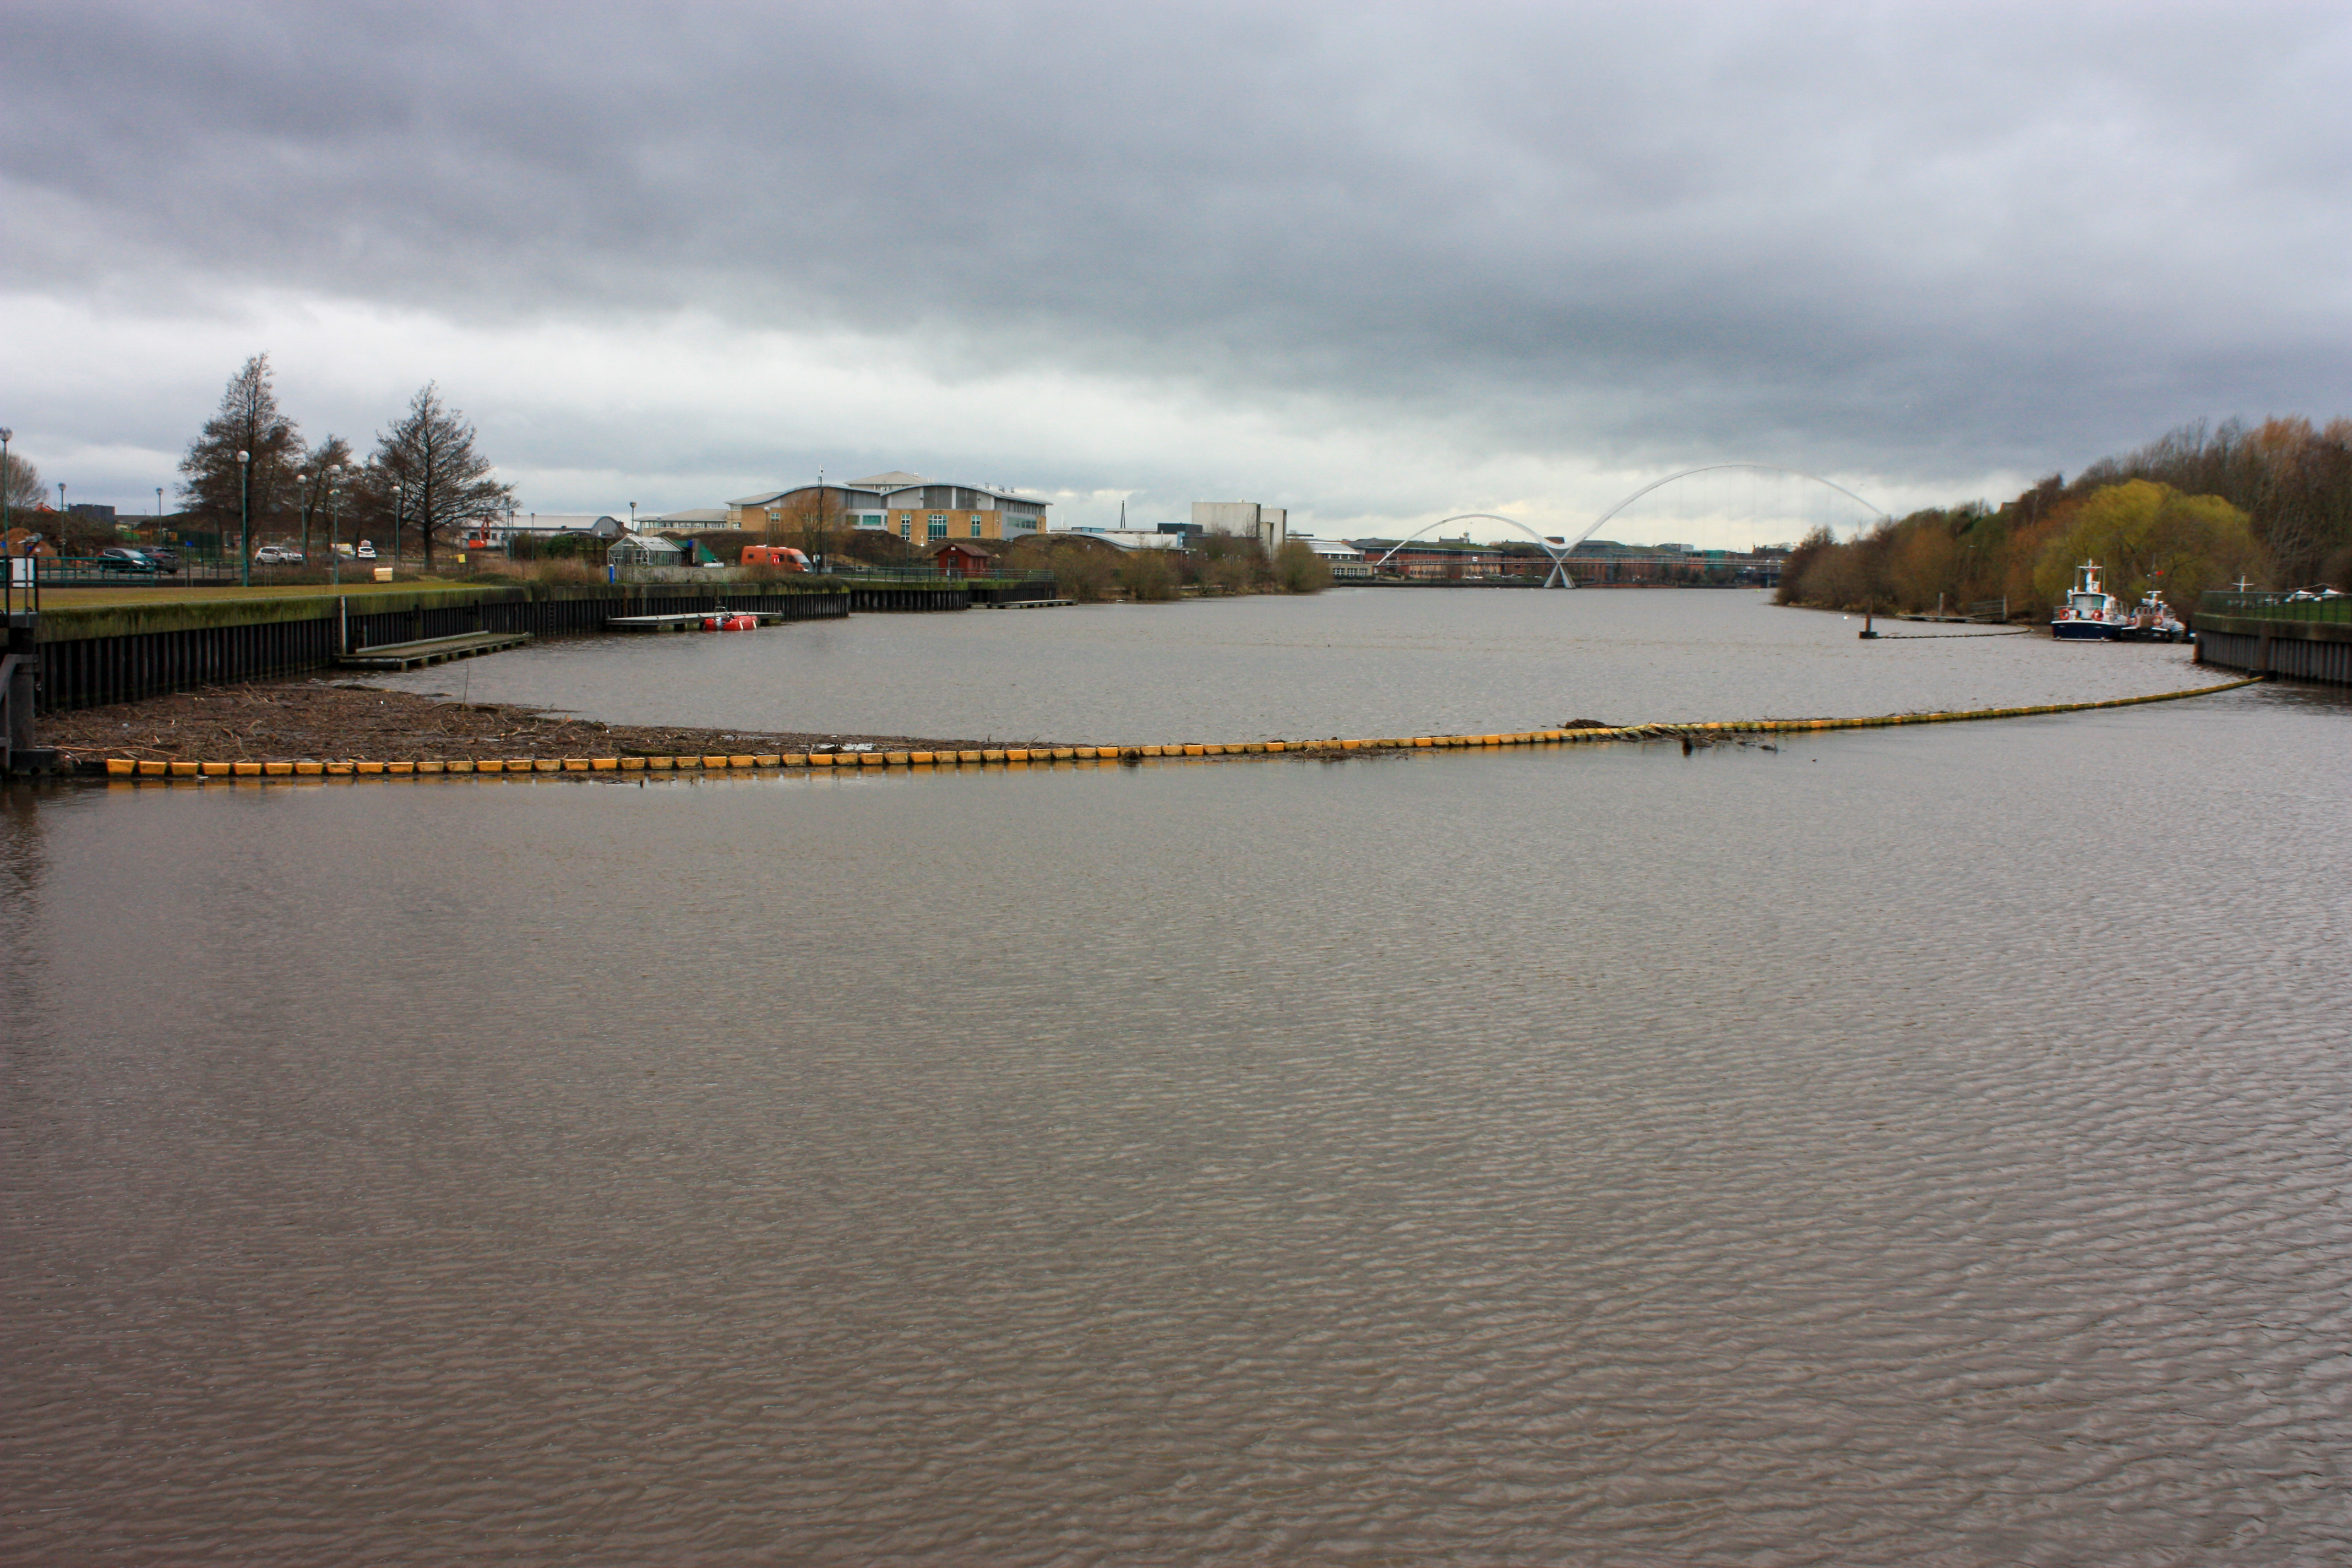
x=278, y=721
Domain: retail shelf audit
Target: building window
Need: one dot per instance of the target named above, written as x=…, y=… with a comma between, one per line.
x=938, y=526
x=975, y=525
x=907, y=527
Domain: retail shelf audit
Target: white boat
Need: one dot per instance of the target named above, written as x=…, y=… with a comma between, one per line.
x=2153, y=621
x=2090, y=614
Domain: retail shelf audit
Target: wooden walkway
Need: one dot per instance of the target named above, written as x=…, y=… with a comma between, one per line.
x=432, y=651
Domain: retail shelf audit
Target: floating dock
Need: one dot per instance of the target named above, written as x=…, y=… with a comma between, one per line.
x=431, y=650
x=688, y=623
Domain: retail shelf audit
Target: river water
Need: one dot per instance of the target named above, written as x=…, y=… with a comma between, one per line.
x=1903, y=1146
x=1359, y=661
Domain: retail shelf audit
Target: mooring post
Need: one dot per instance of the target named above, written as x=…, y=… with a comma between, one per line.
x=24, y=661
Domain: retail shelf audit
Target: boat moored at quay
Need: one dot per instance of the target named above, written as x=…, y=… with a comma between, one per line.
x=2090, y=614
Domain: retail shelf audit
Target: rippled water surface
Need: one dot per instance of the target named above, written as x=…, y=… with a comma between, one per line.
x=1909, y=1146
x=1361, y=661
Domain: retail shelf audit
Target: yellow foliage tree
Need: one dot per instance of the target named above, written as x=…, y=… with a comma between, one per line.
x=2150, y=536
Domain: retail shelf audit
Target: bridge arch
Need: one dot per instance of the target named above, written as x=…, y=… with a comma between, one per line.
x=1558, y=553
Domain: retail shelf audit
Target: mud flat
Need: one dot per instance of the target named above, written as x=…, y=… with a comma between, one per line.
x=320, y=718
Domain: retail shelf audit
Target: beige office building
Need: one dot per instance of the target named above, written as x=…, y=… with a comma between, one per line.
x=917, y=509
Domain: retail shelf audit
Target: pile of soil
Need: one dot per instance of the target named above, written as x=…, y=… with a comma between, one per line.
x=310, y=720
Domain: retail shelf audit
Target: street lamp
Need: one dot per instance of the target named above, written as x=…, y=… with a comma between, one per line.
x=8, y=483
x=244, y=519
x=334, y=556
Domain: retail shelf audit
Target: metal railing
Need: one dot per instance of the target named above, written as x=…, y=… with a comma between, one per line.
x=2275, y=606
x=89, y=571
x=51, y=571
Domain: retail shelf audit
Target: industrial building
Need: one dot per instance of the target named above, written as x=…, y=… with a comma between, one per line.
x=1269, y=525
x=917, y=509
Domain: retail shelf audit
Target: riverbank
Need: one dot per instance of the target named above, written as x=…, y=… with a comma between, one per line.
x=274, y=720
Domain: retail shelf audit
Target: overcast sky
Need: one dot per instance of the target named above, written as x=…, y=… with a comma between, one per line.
x=1376, y=263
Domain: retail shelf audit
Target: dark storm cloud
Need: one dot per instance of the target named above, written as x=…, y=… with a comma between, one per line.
x=1933, y=242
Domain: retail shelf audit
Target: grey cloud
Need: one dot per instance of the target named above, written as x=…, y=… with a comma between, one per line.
x=1893, y=239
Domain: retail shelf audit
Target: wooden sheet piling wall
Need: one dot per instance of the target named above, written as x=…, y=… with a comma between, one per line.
x=123, y=663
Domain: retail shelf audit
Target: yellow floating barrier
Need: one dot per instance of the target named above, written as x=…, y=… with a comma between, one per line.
x=342, y=770
x=122, y=768
x=245, y=770
x=604, y=764
x=184, y=770
x=276, y=770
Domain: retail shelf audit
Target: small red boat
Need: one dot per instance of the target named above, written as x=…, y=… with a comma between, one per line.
x=734, y=623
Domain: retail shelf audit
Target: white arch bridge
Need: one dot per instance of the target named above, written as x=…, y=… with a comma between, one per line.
x=1558, y=551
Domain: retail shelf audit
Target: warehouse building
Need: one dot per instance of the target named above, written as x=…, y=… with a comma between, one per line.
x=917, y=509
x=1269, y=525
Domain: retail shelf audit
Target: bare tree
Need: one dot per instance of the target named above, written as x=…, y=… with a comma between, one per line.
x=219, y=488
x=317, y=480
x=439, y=482
x=811, y=519
x=24, y=484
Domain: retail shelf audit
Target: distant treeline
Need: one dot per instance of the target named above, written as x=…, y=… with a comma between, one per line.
x=2197, y=510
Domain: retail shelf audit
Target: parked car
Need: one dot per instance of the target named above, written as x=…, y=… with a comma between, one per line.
x=277, y=555
x=122, y=558
x=165, y=561
x=366, y=552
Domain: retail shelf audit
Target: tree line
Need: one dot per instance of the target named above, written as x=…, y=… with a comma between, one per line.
x=423, y=482
x=2199, y=507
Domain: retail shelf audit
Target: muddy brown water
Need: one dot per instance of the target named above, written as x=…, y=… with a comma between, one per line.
x=1923, y=1145
x=1351, y=662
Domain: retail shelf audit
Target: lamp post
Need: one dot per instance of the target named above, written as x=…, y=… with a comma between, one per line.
x=159, y=503
x=334, y=556
x=8, y=483
x=244, y=519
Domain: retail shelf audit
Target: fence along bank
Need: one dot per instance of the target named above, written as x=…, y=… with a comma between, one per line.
x=2304, y=639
